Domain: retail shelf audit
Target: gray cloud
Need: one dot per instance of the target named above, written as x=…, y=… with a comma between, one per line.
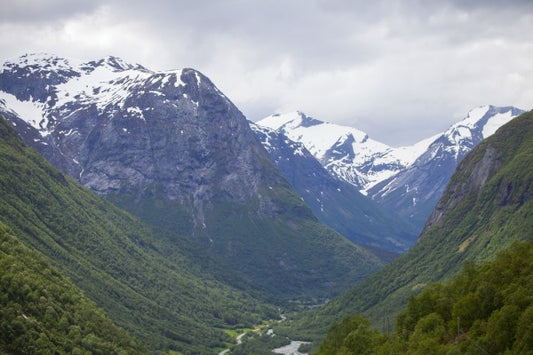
x=414, y=65
x=43, y=10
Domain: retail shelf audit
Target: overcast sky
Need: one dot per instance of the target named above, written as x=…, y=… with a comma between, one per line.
x=398, y=70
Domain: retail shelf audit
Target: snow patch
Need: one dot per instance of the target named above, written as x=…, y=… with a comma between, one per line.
x=198, y=78
x=475, y=115
x=29, y=111
x=277, y=120
x=136, y=111
x=102, y=86
x=496, y=122
x=299, y=151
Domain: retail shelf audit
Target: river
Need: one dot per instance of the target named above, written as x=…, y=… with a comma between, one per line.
x=291, y=349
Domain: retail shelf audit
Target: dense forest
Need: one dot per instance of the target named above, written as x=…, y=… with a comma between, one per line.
x=41, y=312
x=485, y=309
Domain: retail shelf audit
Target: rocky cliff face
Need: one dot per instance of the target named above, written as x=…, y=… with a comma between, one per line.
x=472, y=180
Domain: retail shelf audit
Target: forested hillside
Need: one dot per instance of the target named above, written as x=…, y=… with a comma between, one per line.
x=157, y=285
x=485, y=309
x=41, y=312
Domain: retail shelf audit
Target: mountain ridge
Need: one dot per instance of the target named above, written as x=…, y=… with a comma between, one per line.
x=408, y=180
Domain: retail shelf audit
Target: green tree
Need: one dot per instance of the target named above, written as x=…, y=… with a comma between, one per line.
x=351, y=336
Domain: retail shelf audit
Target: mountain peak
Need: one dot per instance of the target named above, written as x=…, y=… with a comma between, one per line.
x=289, y=120
x=114, y=64
x=47, y=63
x=40, y=87
x=278, y=120
x=333, y=145
x=42, y=61
x=194, y=77
x=173, y=149
x=415, y=190
x=481, y=122
x=118, y=63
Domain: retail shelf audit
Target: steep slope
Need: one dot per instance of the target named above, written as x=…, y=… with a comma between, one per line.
x=487, y=205
x=334, y=201
x=159, y=286
x=415, y=191
x=43, y=312
x=172, y=149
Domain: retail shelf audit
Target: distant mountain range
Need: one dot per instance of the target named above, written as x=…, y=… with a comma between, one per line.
x=334, y=201
x=174, y=150
x=407, y=180
x=112, y=126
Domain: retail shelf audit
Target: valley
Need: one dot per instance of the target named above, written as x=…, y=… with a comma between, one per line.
x=182, y=227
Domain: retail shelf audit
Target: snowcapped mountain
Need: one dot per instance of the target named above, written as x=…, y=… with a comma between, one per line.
x=174, y=150
x=345, y=152
x=52, y=83
x=334, y=201
x=71, y=106
x=408, y=180
x=414, y=191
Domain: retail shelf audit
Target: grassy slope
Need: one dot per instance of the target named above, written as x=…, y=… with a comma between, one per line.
x=476, y=224
x=157, y=285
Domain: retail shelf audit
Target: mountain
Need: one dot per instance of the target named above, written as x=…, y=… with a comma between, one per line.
x=346, y=152
x=407, y=180
x=485, y=208
x=43, y=312
x=335, y=202
x=172, y=149
x=159, y=286
x=415, y=190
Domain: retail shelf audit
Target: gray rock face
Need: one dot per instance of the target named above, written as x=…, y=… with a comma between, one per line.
x=169, y=132
x=480, y=172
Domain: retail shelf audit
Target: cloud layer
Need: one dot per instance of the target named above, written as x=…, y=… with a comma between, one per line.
x=400, y=70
